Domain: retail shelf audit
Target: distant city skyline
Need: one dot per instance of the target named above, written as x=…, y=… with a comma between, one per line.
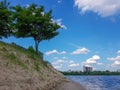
x=90, y=34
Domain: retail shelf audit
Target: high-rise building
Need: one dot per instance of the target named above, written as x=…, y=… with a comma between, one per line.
x=87, y=69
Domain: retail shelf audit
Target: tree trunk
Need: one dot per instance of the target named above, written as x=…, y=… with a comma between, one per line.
x=36, y=46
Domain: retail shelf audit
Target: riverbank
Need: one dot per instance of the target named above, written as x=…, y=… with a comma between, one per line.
x=69, y=85
x=21, y=69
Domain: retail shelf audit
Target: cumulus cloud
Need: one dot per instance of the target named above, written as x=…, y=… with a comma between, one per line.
x=54, y=52
x=64, y=63
x=93, y=60
x=116, y=61
x=81, y=51
x=103, y=8
x=114, y=58
x=74, y=65
x=89, y=61
x=58, y=62
x=118, y=52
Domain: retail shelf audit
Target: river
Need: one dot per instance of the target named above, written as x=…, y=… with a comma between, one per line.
x=98, y=82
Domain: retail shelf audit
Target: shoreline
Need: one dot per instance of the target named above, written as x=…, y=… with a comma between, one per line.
x=69, y=85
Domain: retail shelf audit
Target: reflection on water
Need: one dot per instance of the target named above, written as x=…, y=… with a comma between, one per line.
x=98, y=82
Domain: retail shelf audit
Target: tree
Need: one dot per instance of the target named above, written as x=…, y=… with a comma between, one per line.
x=33, y=21
x=5, y=19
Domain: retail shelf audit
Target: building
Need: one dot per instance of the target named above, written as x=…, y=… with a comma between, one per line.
x=87, y=69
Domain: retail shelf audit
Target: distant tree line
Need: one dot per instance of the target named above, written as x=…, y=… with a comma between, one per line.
x=91, y=73
x=29, y=21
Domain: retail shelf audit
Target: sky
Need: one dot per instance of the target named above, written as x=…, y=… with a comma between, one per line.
x=90, y=34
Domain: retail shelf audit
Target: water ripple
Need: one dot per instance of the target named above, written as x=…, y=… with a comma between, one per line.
x=98, y=82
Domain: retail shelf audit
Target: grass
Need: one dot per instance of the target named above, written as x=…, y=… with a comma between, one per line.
x=36, y=66
x=22, y=57
x=18, y=56
x=15, y=60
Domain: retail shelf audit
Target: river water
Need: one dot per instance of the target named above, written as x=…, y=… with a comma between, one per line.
x=98, y=82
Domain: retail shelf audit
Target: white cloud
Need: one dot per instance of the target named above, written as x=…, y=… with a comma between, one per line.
x=118, y=51
x=114, y=59
x=51, y=52
x=103, y=8
x=81, y=51
x=57, y=67
x=99, y=63
x=55, y=52
x=88, y=65
x=63, y=52
x=89, y=61
x=64, y=63
x=74, y=65
x=71, y=61
x=92, y=60
x=117, y=62
x=58, y=62
x=59, y=22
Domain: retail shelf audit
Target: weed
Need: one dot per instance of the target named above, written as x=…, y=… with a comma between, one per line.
x=36, y=66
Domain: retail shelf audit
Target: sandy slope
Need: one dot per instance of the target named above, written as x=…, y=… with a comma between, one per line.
x=16, y=78
x=20, y=70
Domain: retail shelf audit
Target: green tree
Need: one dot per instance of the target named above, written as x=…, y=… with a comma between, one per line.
x=5, y=19
x=33, y=21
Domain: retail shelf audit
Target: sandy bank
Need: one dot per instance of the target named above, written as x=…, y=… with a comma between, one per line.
x=21, y=70
x=69, y=85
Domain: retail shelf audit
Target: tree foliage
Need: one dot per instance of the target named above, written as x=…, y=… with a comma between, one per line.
x=5, y=19
x=91, y=73
x=33, y=21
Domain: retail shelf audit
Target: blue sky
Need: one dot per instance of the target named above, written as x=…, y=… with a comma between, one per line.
x=90, y=36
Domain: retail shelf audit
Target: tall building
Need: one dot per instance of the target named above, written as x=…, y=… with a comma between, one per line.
x=87, y=69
